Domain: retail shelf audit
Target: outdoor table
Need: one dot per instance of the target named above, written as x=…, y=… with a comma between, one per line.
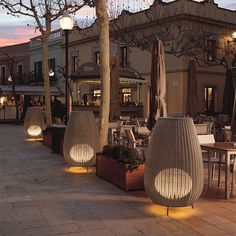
x=224, y=148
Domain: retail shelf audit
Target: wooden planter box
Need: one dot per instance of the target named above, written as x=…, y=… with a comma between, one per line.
x=47, y=140
x=119, y=175
x=61, y=146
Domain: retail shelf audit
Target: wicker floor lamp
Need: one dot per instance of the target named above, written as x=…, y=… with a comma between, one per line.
x=34, y=122
x=174, y=170
x=81, y=140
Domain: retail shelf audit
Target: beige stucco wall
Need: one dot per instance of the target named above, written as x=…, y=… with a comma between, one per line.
x=212, y=18
x=176, y=76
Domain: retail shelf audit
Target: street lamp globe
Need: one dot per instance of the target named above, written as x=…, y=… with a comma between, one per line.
x=66, y=22
x=51, y=73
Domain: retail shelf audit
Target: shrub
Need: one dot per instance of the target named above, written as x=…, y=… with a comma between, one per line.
x=124, y=156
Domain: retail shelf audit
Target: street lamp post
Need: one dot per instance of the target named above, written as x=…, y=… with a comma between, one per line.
x=11, y=80
x=67, y=24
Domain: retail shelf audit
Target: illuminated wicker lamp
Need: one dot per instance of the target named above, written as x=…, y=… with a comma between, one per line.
x=34, y=122
x=234, y=36
x=81, y=140
x=173, y=174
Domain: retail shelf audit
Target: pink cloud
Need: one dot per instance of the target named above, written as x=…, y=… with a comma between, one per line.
x=10, y=35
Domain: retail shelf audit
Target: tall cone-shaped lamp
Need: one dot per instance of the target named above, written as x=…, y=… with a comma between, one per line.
x=81, y=140
x=173, y=174
x=34, y=122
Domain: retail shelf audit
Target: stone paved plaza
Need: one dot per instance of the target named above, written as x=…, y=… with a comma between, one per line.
x=38, y=196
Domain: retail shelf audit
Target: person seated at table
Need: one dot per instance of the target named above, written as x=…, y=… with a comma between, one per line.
x=58, y=110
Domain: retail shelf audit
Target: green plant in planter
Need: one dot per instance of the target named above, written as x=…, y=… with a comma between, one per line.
x=124, y=156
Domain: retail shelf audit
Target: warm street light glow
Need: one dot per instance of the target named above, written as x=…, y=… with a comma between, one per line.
x=34, y=130
x=234, y=36
x=66, y=22
x=178, y=183
x=51, y=73
x=10, y=78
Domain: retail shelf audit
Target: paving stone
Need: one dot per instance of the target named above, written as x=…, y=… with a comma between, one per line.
x=39, y=197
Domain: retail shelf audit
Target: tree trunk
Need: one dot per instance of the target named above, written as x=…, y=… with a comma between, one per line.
x=17, y=109
x=103, y=20
x=46, y=80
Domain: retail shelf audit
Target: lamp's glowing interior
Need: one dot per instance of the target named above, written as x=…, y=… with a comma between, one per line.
x=173, y=183
x=81, y=153
x=234, y=35
x=34, y=130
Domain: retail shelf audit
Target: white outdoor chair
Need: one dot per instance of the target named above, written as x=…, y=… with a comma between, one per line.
x=205, y=139
x=227, y=133
x=201, y=128
x=113, y=132
x=136, y=144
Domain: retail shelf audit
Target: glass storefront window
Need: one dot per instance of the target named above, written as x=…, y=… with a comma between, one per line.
x=209, y=99
x=126, y=95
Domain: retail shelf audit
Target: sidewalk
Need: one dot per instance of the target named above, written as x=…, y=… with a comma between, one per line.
x=39, y=197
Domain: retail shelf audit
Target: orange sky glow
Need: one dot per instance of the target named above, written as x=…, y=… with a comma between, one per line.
x=19, y=36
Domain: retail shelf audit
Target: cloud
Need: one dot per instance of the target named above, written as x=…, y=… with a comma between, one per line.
x=14, y=34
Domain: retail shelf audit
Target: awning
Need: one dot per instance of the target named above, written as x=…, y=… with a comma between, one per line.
x=132, y=80
x=90, y=72
x=6, y=90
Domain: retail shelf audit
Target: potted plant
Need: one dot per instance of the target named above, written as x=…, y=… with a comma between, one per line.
x=122, y=166
x=47, y=137
x=53, y=138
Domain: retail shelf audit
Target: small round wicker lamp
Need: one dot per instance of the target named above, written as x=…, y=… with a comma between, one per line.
x=173, y=174
x=34, y=122
x=81, y=140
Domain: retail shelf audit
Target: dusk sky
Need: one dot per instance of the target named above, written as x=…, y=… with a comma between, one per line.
x=15, y=30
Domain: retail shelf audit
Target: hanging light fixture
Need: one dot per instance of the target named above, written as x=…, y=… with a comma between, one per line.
x=174, y=170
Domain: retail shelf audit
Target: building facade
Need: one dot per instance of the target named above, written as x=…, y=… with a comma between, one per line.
x=131, y=38
x=14, y=62
x=199, y=31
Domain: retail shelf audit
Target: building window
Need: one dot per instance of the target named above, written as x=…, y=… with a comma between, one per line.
x=38, y=68
x=126, y=95
x=210, y=98
x=211, y=50
x=124, y=56
x=75, y=63
x=96, y=96
x=97, y=57
x=20, y=71
x=3, y=74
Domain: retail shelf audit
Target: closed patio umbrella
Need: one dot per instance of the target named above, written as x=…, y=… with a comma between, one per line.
x=228, y=96
x=114, y=90
x=233, y=119
x=192, y=97
x=158, y=84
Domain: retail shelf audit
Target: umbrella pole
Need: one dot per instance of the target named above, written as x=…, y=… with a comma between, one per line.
x=233, y=119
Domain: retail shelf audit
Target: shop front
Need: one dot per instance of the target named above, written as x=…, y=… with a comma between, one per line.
x=26, y=96
x=87, y=90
